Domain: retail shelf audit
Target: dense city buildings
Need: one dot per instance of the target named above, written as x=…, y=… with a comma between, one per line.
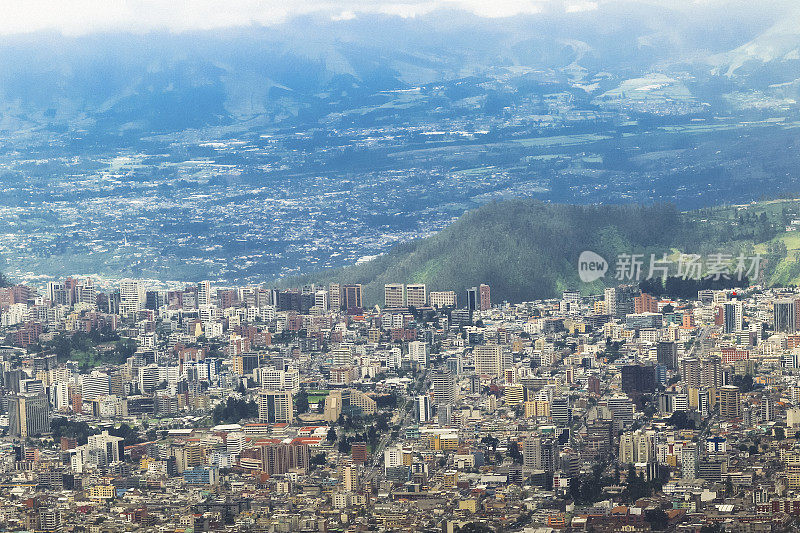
x=253, y=409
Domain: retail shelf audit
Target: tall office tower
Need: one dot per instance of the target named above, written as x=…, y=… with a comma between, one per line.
x=444, y=387
x=473, y=299
x=28, y=415
x=623, y=300
x=57, y=293
x=711, y=373
x=729, y=406
x=335, y=297
x=540, y=454
x=783, y=316
x=351, y=296
x=560, y=411
x=95, y=385
x=689, y=459
x=275, y=407
x=321, y=299
x=204, y=294
x=132, y=297
x=691, y=373
x=485, y=296
x=416, y=295
x=394, y=295
x=488, y=359
x=767, y=408
x=441, y=299
x=531, y=453
x=85, y=293
x=733, y=317
x=418, y=353
x=622, y=409
x=610, y=299
x=667, y=355
x=109, y=449
x=424, y=409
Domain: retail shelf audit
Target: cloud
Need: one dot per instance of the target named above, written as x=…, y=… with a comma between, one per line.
x=78, y=17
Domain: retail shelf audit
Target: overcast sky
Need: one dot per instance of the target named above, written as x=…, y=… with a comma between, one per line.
x=76, y=17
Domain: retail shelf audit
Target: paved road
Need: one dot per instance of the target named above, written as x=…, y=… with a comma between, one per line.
x=408, y=417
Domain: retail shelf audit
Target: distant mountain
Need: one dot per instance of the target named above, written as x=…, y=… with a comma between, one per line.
x=310, y=66
x=769, y=62
x=526, y=249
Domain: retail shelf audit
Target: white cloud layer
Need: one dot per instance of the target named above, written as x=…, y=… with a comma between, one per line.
x=77, y=17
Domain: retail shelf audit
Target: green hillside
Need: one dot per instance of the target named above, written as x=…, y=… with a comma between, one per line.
x=528, y=249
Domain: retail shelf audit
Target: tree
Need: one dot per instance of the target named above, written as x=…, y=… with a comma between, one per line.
x=234, y=410
x=680, y=420
x=635, y=486
x=331, y=435
x=301, y=402
x=344, y=445
x=779, y=432
x=317, y=460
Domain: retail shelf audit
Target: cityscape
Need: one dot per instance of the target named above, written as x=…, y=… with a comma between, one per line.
x=254, y=409
x=426, y=266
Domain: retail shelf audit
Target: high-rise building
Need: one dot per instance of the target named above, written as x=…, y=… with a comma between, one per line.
x=57, y=293
x=667, y=355
x=204, y=294
x=85, y=293
x=335, y=297
x=540, y=454
x=424, y=409
x=621, y=408
x=733, y=317
x=321, y=299
x=351, y=296
x=416, y=295
x=95, y=385
x=358, y=453
x=644, y=303
x=394, y=295
x=418, y=353
x=783, y=316
x=689, y=459
x=488, y=359
x=444, y=387
x=729, y=405
x=610, y=298
x=711, y=375
x=619, y=301
x=485, y=297
x=28, y=415
x=638, y=379
x=275, y=407
x=691, y=372
x=560, y=411
x=132, y=297
x=473, y=299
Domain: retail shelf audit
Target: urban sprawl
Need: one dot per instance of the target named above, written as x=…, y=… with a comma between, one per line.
x=252, y=409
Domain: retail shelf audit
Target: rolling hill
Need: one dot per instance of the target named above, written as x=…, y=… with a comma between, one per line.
x=526, y=249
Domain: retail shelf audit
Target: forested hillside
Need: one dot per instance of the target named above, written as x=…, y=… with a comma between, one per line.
x=528, y=249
